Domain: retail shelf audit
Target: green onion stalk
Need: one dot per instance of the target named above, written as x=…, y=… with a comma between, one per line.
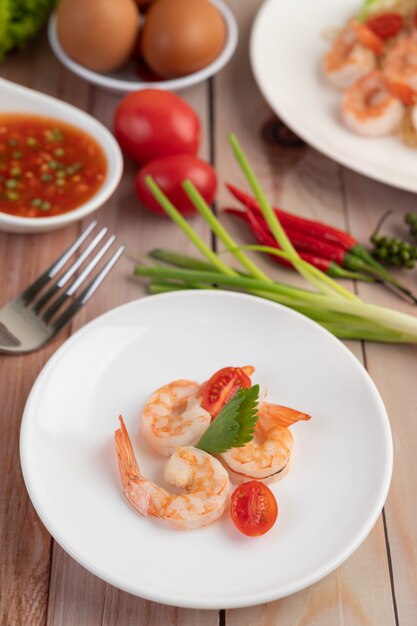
x=338, y=310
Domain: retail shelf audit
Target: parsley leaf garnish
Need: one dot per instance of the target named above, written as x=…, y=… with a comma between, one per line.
x=234, y=426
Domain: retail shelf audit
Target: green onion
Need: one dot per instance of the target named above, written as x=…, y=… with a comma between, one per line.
x=186, y=228
x=55, y=135
x=15, y=171
x=203, y=208
x=17, y=154
x=73, y=169
x=11, y=183
x=332, y=306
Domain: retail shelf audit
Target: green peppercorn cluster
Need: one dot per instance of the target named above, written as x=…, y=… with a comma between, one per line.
x=411, y=220
x=394, y=251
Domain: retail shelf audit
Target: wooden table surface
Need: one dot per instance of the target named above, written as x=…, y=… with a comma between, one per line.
x=40, y=584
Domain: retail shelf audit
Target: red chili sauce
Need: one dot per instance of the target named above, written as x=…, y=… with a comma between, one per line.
x=47, y=167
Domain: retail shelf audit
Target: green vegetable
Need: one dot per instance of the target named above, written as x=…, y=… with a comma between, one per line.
x=370, y=6
x=394, y=251
x=335, y=308
x=20, y=20
x=234, y=426
x=411, y=220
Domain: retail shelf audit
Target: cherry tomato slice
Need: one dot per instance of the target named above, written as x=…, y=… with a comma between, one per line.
x=254, y=508
x=387, y=25
x=221, y=387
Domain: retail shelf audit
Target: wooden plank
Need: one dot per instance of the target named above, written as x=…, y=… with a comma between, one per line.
x=140, y=231
x=394, y=370
x=79, y=597
x=303, y=181
x=25, y=544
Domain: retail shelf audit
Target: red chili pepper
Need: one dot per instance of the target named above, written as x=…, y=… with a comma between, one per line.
x=302, y=242
x=359, y=263
x=264, y=237
x=302, y=224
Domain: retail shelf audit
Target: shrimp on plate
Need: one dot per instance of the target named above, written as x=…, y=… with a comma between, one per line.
x=400, y=66
x=351, y=56
x=370, y=109
x=173, y=416
x=203, y=478
x=267, y=456
x=400, y=71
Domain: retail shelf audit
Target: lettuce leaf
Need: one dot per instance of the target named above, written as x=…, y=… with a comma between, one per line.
x=20, y=20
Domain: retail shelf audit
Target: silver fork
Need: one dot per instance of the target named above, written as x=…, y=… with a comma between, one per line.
x=32, y=319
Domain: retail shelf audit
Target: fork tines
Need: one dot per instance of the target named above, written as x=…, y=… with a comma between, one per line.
x=44, y=304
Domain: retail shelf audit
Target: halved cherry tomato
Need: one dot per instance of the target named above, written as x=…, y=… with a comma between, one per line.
x=254, y=508
x=221, y=387
x=387, y=25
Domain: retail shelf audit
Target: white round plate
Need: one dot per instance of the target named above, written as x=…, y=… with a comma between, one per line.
x=328, y=503
x=287, y=48
x=126, y=79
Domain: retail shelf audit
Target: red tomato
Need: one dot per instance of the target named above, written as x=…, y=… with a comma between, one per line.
x=254, y=508
x=169, y=173
x=152, y=124
x=221, y=387
x=386, y=25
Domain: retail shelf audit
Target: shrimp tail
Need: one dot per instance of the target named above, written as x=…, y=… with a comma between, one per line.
x=277, y=415
x=128, y=466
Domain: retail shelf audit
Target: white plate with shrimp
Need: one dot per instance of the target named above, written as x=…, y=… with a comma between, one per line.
x=328, y=501
x=287, y=51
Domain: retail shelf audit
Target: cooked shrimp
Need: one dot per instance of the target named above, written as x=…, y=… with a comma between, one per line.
x=414, y=117
x=269, y=452
x=370, y=109
x=204, y=479
x=348, y=60
x=400, y=65
x=173, y=416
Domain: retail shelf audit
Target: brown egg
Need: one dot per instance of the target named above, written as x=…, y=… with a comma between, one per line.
x=182, y=36
x=100, y=34
x=142, y=4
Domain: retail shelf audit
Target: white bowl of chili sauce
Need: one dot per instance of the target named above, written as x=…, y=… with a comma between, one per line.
x=57, y=163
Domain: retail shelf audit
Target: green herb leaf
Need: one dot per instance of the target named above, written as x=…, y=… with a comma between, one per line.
x=234, y=425
x=367, y=7
x=247, y=416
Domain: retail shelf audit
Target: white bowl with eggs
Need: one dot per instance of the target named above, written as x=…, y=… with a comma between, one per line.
x=125, y=79
x=16, y=99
